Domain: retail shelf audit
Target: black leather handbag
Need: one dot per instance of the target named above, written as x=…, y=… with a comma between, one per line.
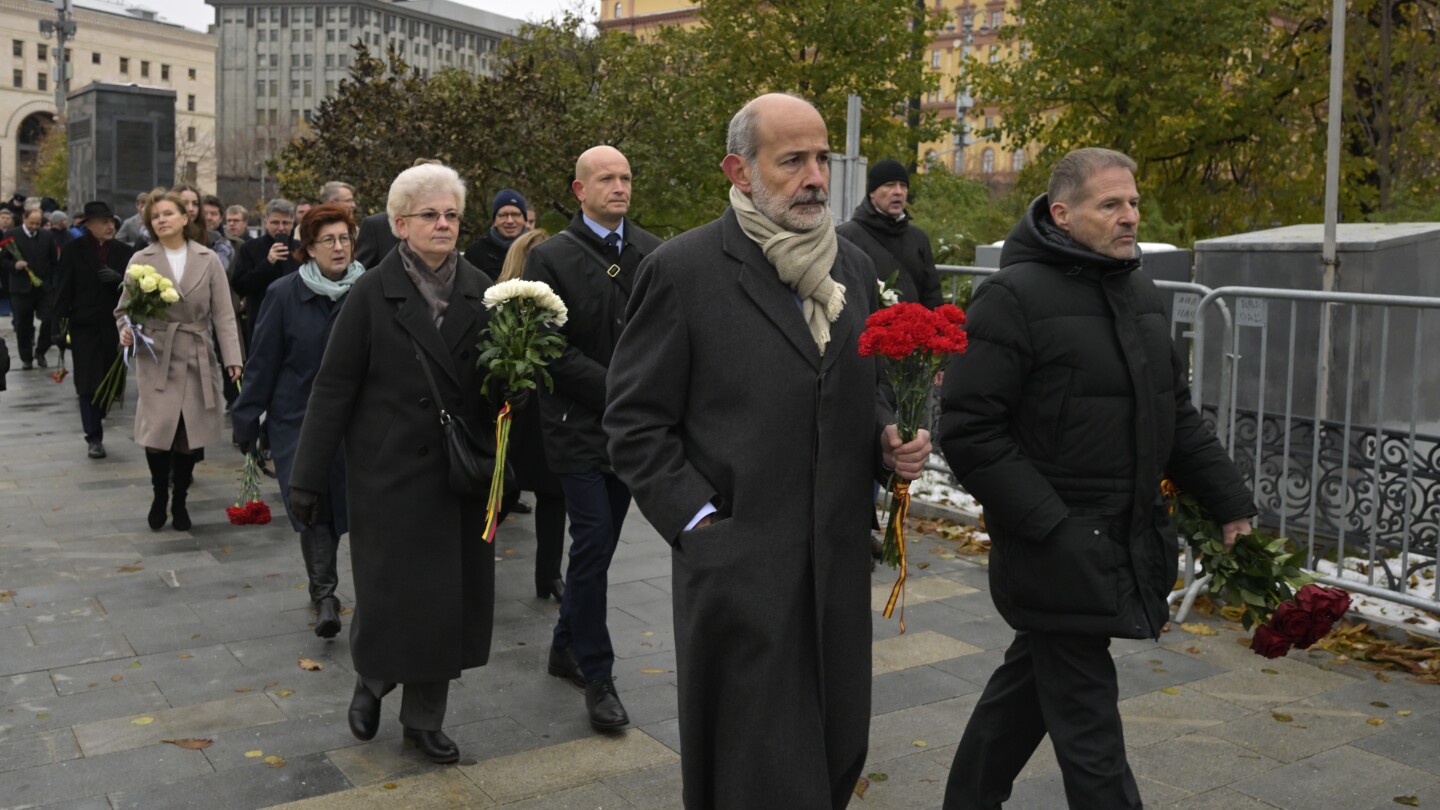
x=470, y=471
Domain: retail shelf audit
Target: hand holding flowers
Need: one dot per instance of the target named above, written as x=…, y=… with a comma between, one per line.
x=146, y=295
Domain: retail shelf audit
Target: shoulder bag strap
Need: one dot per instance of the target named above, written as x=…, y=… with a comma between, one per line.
x=612, y=269
x=430, y=378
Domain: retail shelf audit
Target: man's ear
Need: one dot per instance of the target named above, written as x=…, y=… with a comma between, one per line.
x=737, y=171
x=1060, y=212
x=579, y=189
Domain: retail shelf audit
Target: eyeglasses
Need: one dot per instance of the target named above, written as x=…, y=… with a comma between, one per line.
x=509, y=215
x=332, y=240
x=431, y=217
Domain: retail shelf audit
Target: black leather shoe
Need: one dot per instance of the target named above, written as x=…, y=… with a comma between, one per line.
x=606, y=711
x=564, y=665
x=41, y=361
x=365, y=713
x=327, y=618
x=522, y=508
x=433, y=744
x=97, y=450
x=554, y=587
x=27, y=366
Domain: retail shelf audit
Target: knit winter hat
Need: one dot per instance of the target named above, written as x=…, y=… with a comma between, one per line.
x=886, y=171
x=507, y=196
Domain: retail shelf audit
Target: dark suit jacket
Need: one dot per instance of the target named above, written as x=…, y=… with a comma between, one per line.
x=424, y=577
x=89, y=302
x=253, y=273
x=718, y=393
x=375, y=240
x=39, y=252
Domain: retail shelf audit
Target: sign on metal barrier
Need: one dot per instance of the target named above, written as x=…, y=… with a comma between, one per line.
x=1185, y=306
x=1250, y=311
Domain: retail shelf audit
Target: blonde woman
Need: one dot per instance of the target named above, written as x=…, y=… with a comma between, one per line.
x=181, y=407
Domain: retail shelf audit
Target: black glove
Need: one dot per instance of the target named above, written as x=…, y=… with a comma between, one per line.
x=304, y=505
x=247, y=446
x=517, y=399
x=109, y=275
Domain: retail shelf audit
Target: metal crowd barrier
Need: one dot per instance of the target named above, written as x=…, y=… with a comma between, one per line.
x=1323, y=409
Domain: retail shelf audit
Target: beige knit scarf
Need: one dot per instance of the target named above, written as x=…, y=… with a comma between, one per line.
x=803, y=261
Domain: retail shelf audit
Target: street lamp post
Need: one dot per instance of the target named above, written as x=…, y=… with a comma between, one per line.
x=964, y=102
x=62, y=28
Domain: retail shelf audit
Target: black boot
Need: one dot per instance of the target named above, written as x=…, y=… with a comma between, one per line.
x=159, y=462
x=184, y=465
x=318, y=545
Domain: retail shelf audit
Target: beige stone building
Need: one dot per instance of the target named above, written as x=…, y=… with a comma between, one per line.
x=972, y=30
x=112, y=43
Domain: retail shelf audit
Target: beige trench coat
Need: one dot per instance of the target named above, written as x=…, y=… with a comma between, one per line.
x=186, y=380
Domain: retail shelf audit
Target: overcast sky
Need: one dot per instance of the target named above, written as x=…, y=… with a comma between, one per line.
x=195, y=14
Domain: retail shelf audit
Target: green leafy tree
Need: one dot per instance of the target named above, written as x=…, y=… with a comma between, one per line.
x=52, y=165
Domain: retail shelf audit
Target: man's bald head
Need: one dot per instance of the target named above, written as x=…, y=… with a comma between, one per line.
x=602, y=184
x=744, y=136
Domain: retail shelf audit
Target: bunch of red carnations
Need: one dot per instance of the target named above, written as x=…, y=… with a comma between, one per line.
x=915, y=343
x=250, y=509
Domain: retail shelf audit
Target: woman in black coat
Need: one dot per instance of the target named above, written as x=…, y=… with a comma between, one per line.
x=424, y=576
x=89, y=277
x=290, y=336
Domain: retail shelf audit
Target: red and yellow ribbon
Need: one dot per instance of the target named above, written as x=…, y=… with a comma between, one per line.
x=497, y=480
x=897, y=525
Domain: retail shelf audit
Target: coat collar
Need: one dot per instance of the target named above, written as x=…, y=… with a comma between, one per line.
x=414, y=316
x=153, y=254
x=774, y=298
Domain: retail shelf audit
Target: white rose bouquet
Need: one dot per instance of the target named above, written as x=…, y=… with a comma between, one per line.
x=514, y=349
x=147, y=294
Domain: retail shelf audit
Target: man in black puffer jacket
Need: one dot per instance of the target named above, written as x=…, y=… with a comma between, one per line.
x=882, y=228
x=1061, y=418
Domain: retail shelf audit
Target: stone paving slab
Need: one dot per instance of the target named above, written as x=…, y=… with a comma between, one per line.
x=203, y=630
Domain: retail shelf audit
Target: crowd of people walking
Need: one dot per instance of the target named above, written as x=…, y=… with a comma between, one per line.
x=715, y=380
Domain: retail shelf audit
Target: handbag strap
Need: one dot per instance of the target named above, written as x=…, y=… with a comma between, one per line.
x=430, y=378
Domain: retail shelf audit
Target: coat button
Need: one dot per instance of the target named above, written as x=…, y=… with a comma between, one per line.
x=424, y=402
x=1097, y=531
x=424, y=450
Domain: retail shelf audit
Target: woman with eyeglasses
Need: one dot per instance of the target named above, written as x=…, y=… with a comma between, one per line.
x=424, y=577
x=285, y=350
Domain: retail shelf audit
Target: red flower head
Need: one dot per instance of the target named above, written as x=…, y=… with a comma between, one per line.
x=1269, y=643
x=238, y=515
x=906, y=328
x=951, y=313
x=1292, y=623
x=1326, y=606
x=259, y=512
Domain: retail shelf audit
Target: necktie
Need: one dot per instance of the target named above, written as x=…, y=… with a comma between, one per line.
x=612, y=241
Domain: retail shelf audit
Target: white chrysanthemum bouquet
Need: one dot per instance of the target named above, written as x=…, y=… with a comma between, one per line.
x=515, y=349
x=147, y=295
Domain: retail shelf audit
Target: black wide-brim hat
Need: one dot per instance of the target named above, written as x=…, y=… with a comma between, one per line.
x=97, y=208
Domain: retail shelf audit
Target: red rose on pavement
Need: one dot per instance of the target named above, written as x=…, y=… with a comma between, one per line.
x=1292, y=623
x=1326, y=606
x=1269, y=643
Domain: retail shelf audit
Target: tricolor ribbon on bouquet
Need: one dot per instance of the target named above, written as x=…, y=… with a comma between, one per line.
x=497, y=480
x=901, y=494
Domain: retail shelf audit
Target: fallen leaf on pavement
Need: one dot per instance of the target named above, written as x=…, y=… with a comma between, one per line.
x=116, y=678
x=1281, y=718
x=654, y=671
x=861, y=785
x=920, y=744
x=133, y=665
x=345, y=611
x=275, y=762
x=254, y=754
x=1198, y=629
x=311, y=666
x=191, y=743
x=184, y=656
x=243, y=689
x=389, y=786
x=1404, y=713
x=1379, y=704
x=143, y=721
x=1408, y=801
x=130, y=569
x=284, y=693
x=1193, y=650
x=1376, y=721
x=1170, y=690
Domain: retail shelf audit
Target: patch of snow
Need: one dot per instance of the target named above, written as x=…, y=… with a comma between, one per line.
x=935, y=486
x=1422, y=583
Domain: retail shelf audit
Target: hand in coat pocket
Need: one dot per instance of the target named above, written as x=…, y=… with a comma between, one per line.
x=1075, y=569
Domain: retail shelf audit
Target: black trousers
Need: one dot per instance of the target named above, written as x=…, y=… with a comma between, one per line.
x=25, y=308
x=92, y=417
x=1059, y=685
x=422, y=705
x=596, y=504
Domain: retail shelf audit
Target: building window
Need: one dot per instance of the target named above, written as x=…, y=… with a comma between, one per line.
x=192, y=171
x=274, y=88
x=94, y=57
x=989, y=122
x=190, y=134
x=164, y=73
x=997, y=19
x=987, y=162
x=330, y=88
x=967, y=21
x=294, y=60
x=1017, y=160
x=19, y=78
x=125, y=65
x=935, y=59
x=190, y=103
x=308, y=60
x=192, y=74
x=294, y=87
x=272, y=115
x=144, y=69
x=259, y=87
x=994, y=54
x=42, y=51
x=42, y=81
x=17, y=48
x=309, y=88
x=619, y=9
x=329, y=34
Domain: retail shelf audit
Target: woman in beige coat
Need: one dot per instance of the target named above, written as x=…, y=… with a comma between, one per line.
x=181, y=407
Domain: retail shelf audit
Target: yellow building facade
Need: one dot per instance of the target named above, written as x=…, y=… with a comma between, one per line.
x=972, y=30
x=114, y=44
